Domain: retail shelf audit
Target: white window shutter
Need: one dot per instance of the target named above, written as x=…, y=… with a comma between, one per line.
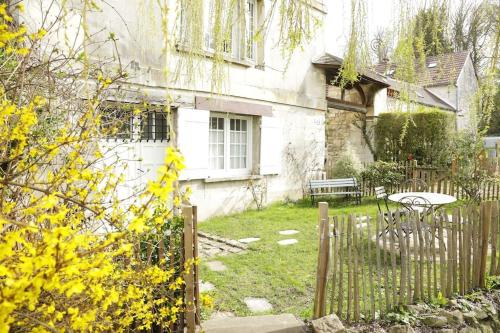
x=192, y=141
x=271, y=146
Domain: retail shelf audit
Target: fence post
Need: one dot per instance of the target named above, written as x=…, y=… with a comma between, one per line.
x=323, y=259
x=187, y=213
x=486, y=214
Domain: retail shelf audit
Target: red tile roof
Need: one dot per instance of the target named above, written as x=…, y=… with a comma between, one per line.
x=443, y=69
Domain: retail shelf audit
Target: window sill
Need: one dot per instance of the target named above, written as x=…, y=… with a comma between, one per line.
x=207, y=54
x=231, y=179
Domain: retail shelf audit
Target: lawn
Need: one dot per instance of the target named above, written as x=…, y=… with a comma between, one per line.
x=284, y=275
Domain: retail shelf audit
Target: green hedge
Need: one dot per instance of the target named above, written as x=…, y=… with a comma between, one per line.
x=424, y=135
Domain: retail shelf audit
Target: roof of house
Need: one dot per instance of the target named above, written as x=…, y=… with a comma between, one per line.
x=330, y=61
x=420, y=95
x=443, y=69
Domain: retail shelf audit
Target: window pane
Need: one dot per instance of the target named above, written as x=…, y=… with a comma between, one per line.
x=243, y=125
x=250, y=28
x=216, y=143
x=161, y=127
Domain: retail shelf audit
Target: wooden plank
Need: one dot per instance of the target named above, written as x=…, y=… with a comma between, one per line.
x=349, y=267
x=378, y=227
x=427, y=251
x=370, y=268
x=392, y=240
x=433, y=250
x=494, y=234
x=468, y=250
x=187, y=213
x=416, y=293
x=449, y=259
x=455, y=221
x=196, y=267
x=421, y=256
x=408, y=227
x=334, y=259
x=356, y=254
x=461, y=257
x=474, y=256
x=323, y=255
x=402, y=248
x=362, y=257
x=386, y=271
x=487, y=207
x=442, y=256
x=342, y=235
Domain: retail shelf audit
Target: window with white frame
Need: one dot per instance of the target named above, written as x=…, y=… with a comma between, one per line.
x=240, y=43
x=229, y=143
x=250, y=22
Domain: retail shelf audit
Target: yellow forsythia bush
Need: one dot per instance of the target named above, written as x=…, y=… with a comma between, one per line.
x=70, y=256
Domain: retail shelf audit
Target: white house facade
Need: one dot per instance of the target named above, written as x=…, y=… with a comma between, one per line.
x=265, y=126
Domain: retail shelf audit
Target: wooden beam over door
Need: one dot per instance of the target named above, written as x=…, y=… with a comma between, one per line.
x=342, y=105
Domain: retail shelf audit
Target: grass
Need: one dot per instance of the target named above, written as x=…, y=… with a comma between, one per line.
x=284, y=275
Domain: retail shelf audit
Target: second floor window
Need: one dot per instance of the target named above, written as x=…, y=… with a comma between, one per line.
x=238, y=27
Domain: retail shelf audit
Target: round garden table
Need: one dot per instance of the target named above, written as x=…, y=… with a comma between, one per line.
x=422, y=199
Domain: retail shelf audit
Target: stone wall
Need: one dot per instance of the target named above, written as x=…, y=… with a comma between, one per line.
x=476, y=313
x=343, y=136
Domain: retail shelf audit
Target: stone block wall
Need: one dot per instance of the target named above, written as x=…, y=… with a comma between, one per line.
x=343, y=136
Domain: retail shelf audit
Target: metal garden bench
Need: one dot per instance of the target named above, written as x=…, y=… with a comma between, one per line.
x=329, y=187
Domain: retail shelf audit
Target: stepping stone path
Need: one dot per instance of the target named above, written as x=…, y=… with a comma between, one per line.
x=256, y=305
x=248, y=240
x=216, y=266
x=211, y=246
x=287, y=241
x=206, y=286
x=288, y=232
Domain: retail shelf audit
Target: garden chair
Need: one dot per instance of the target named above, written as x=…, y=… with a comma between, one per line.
x=381, y=196
x=415, y=185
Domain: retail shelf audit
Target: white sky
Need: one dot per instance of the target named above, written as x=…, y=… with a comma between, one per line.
x=380, y=14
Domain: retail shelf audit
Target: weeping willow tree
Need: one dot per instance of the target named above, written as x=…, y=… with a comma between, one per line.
x=76, y=253
x=356, y=57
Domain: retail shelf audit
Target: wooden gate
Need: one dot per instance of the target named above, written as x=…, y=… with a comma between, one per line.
x=371, y=265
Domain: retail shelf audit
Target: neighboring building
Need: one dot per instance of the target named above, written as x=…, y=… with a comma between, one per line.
x=447, y=82
x=267, y=125
x=492, y=146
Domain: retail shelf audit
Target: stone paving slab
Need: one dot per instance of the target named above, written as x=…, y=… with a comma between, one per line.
x=256, y=305
x=283, y=323
x=212, y=246
x=249, y=240
x=206, y=286
x=216, y=266
x=288, y=232
x=287, y=241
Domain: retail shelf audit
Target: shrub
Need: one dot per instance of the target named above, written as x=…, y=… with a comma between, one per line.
x=469, y=171
x=387, y=174
x=346, y=167
x=424, y=135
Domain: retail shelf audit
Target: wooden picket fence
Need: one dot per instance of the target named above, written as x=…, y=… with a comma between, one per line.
x=438, y=179
x=369, y=266
x=177, y=249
